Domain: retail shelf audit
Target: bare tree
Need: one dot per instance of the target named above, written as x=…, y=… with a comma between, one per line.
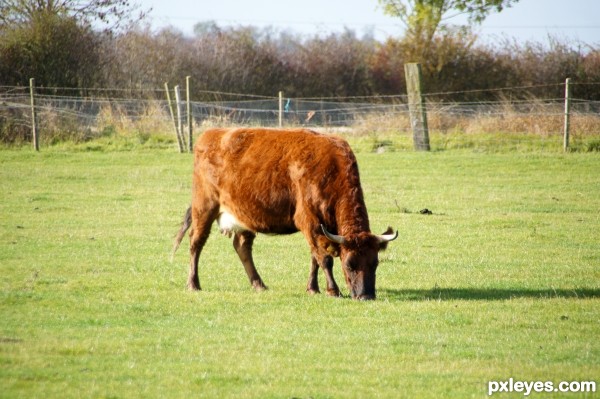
x=112, y=14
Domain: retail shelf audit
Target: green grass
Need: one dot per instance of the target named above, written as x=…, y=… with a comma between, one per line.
x=501, y=281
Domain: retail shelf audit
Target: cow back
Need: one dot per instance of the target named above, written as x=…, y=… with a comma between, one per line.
x=269, y=178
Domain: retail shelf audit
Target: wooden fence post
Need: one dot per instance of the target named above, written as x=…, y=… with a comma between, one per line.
x=179, y=118
x=416, y=107
x=567, y=114
x=190, y=121
x=280, y=109
x=170, y=103
x=34, y=130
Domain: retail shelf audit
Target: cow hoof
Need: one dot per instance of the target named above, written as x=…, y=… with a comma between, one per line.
x=259, y=286
x=313, y=291
x=333, y=292
x=193, y=287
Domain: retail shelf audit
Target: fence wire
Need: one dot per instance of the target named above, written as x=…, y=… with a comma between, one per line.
x=86, y=117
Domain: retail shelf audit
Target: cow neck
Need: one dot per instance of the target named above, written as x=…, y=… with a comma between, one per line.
x=351, y=211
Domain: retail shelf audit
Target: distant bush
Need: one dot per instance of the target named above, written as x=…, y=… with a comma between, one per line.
x=60, y=52
x=263, y=62
x=56, y=50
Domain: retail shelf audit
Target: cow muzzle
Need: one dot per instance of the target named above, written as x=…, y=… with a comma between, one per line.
x=360, y=284
x=362, y=294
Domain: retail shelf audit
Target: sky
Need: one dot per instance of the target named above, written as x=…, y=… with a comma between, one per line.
x=527, y=20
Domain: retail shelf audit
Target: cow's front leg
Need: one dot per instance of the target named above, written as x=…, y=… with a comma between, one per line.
x=312, y=287
x=327, y=266
x=320, y=257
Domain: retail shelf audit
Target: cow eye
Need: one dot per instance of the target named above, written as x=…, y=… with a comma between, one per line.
x=351, y=264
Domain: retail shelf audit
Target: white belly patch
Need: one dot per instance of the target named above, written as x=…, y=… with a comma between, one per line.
x=228, y=224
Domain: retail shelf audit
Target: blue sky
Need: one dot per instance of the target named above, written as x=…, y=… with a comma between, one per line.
x=533, y=20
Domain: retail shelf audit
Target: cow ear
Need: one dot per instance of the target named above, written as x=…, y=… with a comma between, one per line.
x=389, y=234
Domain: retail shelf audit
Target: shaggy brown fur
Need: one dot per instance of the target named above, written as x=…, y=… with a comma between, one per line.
x=280, y=182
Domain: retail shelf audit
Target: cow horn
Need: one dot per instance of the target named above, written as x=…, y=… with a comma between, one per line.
x=387, y=237
x=332, y=237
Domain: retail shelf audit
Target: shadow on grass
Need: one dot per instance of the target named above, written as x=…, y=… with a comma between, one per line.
x=485, y=294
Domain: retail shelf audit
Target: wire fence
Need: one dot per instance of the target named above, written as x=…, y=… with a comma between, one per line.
x=103, y=113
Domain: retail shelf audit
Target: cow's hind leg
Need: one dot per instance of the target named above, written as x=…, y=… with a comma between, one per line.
x=242, y=242
x=201, y=223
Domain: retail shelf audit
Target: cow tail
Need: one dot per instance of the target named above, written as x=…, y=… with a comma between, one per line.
x=185, y=225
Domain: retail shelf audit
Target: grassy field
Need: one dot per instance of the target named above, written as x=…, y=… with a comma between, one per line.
x=501, y=281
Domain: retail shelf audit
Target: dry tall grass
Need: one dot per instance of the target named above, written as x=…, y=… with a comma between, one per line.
x=538, y=119
x=150, y=119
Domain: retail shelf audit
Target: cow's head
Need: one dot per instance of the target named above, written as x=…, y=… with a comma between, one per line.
x=360, y=256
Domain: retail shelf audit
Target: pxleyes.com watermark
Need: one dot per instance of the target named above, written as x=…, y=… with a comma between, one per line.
x=528, y=387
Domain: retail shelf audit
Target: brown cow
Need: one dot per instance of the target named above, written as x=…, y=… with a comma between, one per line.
x=269, y=181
